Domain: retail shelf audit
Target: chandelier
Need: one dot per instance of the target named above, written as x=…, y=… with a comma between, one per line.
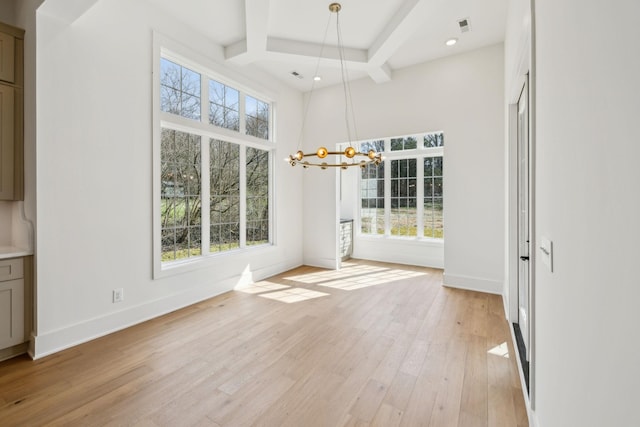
x=350, y=156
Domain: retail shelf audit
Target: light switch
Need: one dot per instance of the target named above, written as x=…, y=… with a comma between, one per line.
x=546, y=249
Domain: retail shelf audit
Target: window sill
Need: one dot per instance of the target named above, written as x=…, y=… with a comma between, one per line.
x=422, y=241
x=174, y=268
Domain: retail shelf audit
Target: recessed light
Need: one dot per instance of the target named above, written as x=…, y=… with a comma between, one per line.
x=451, y=42
x=317, y=78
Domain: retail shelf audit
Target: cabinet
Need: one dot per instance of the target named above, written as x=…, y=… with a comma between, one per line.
x=11, y=113
x=12, y=313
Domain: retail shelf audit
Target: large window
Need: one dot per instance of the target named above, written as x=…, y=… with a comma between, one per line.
x=402, y=197
x=214, y=181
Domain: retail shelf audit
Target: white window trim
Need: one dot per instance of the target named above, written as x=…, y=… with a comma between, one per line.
x=388, y=155
x=164, y=47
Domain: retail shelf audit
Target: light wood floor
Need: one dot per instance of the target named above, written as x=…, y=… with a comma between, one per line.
x=373, y=344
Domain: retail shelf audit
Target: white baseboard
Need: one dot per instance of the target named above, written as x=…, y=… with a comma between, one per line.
x=327, y=263
x=54, y=341
x=473, y=283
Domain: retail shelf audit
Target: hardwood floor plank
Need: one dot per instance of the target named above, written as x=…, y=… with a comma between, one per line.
x=387, y=416
x=373, y=344
x=473, y=407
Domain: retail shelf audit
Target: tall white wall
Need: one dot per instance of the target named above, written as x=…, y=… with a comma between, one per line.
x=463, y=96
x=587, y=202
x=94, y=169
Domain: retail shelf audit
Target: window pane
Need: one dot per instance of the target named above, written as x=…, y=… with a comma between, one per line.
x=224, y=201
x=251, y=105
x=257, y=117
x=190, y=82
x=231, y=119
x=223, y=106
x=257, y=169
x=434, y=140
x=428, y=218
x=437, y=187
x=216, y=92
x=437, y=166
x=179, y=90
x=168, y=245
x=403, y=201
x=190, y=107
x=377, y=146
x=169, y=74
x=169, y=100
x=216, y=114
x=180, y=194
x=428, y=187
x=428, y=166
x=231, y=98
x=407, y=143
x=372, y=200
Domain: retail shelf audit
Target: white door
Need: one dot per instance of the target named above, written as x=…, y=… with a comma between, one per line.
x=523, y=216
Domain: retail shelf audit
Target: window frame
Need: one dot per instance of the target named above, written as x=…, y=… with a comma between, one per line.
x=164, y=47
x=389, y=155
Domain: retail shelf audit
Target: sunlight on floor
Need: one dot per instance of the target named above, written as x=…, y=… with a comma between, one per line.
x=293, y=295
x=350, y=277
x=501, y=350
x=263, y=286
x=355, y=276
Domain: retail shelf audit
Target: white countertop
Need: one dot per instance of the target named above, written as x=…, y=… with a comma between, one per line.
x=13, y=252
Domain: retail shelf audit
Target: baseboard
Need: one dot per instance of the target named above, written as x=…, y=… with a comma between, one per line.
x=13, y=351
x=533, y=422
x=473, y=284
x=328, y=263
x=54, y=341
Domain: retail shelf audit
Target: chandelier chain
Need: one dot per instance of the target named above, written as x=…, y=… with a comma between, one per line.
x=313, y=83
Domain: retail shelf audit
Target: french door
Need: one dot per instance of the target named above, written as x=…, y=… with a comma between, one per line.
x=524, y=218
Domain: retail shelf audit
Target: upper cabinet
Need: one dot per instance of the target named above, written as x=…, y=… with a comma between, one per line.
x=11, y=113
x=7, y=57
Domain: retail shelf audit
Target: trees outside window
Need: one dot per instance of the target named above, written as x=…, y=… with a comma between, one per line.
x=214, y=190
x=403, y=196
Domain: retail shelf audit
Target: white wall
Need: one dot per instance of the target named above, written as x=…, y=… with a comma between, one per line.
x=461, y=95
x=587, y=203
x=94, y=167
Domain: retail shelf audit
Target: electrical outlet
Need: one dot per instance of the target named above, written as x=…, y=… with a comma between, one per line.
x=118, y=295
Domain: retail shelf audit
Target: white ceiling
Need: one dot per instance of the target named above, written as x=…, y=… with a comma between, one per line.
x=281, y=36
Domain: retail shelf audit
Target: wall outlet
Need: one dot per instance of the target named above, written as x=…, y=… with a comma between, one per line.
x=118, y=295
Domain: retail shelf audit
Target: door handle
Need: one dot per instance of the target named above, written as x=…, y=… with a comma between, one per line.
x=524, y=258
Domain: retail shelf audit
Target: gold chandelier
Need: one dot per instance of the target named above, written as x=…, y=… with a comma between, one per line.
x=350, y=156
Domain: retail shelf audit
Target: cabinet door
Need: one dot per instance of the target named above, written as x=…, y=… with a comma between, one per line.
x=11, y=313
x=7, y=51
x=7, y=143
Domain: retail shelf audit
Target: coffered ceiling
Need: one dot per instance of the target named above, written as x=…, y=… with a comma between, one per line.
x=380, y=36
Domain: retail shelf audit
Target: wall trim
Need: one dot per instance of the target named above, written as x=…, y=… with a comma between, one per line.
x=473, y=284
x=423, y=253
x=52, y=342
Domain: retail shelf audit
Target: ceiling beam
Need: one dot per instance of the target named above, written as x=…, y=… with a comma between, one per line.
x=310, y=52
x=255, y=45
x=409, y=17
x=380, y=74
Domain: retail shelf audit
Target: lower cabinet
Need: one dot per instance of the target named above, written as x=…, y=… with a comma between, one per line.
x=12, y=303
